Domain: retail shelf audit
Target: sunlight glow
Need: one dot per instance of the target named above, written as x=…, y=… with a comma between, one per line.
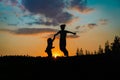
x=56, y=54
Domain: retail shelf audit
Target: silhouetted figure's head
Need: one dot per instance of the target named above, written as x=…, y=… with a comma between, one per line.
x=62, y=26
x=49, y=40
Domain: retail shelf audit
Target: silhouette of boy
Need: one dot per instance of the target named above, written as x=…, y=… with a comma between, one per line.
x=63, y=34
x=49, y=46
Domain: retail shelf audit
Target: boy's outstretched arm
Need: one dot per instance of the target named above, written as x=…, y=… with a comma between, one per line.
x=71, y=32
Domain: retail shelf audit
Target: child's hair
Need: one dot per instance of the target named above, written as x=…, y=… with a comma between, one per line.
x=49, y=40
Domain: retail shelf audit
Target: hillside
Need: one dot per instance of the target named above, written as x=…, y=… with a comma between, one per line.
x=29, y=67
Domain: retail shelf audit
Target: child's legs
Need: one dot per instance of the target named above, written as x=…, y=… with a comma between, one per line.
x=49, y=53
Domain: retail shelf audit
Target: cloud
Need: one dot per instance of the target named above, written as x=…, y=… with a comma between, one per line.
x=91, y=25
x=41, y=12
x=73, y=36
x=29, y=31
x=33, y=30
x=53, y=10
x=87, y=10
x=86, y=27
x=5, y=30
x=103, y=21
x=80, y=3
x=80, y=6
x=83, y=11
x=13, y=24
x=72, y=20
x=77, y=27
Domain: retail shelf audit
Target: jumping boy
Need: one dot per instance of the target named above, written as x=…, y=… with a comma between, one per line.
x=63, y=34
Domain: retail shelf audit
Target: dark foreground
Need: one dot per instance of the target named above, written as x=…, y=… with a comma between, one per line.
x=91, y=67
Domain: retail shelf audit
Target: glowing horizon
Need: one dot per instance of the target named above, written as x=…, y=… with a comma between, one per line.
x=24, y=31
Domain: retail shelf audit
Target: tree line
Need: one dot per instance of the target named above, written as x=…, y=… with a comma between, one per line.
x=109, y=48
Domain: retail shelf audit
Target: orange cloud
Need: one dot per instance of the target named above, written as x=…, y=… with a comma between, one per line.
x=83, y=10
x=73, y=20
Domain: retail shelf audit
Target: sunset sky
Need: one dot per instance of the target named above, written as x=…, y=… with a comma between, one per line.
x=25, y=25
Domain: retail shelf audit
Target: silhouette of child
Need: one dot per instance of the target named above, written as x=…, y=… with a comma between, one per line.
x=63, y=34
x=49, y=46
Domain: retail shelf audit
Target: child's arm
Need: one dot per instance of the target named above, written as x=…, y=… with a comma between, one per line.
x=52, y=41
x=55, y=35
x=53, y=38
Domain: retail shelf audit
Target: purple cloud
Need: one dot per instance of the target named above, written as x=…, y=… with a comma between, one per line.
x=52, y=9
x=29, y=31
x=51, y=12
x=79, y=3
